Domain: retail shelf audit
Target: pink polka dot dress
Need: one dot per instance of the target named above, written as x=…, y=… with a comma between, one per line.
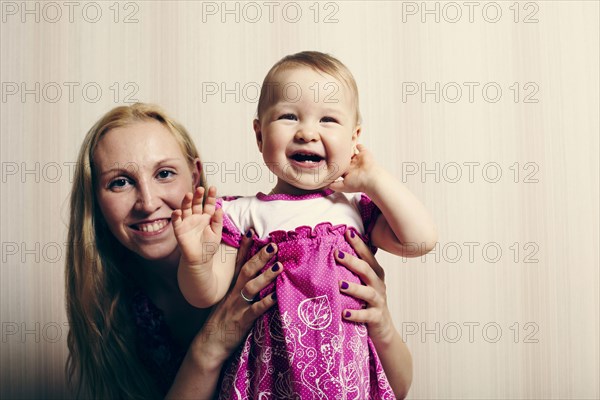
x=302, y=348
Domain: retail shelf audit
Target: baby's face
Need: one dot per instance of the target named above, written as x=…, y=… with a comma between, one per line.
x=308, y=132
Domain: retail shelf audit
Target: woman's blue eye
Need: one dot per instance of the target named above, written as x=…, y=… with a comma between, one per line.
x=165, y=173
x=121, y=182
x=291, y=117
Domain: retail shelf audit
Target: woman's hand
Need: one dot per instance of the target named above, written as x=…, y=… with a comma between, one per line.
x=393, y=353
x=227, y=326
x=233, y=317
x=376, y=315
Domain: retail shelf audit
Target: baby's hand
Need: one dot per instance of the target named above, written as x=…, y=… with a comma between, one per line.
x=361, y=173
x=197, y=229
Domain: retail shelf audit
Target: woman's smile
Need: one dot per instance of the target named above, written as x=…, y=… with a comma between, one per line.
x=151, y=228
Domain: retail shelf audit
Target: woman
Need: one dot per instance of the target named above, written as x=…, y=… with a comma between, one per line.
x=132, y=334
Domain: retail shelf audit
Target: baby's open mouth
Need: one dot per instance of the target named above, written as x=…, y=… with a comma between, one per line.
x=153, y=226
x=306, y=157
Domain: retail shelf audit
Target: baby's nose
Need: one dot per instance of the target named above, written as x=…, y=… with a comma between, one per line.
x=307, y=133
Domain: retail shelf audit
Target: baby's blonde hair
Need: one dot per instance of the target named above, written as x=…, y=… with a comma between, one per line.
x=313, y=59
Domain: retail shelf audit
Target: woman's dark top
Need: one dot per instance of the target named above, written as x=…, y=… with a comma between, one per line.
x=155, y=346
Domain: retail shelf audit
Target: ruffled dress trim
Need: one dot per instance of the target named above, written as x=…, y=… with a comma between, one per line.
x=369, y=213
x=291, y=197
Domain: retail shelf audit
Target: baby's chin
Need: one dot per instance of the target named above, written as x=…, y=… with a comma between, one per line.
x=314, y=188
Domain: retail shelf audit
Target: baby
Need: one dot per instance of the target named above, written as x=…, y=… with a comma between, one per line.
x=310, y=345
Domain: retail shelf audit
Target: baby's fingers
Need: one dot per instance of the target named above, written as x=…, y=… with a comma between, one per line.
x=360, y=148
x=176, y=218
x=337, y=186
x=216, y=222
x=211, y=201
x=197, y=200
x=186, y=205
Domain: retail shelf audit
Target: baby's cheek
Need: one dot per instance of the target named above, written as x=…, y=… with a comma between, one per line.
x=344, y=163
x=334, y=171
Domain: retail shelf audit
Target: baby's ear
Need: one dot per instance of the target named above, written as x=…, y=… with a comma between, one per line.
x=258, y=133
x=196, y=173
x=356, y=134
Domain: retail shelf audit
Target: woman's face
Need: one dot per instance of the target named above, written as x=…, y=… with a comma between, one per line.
x=142, y=177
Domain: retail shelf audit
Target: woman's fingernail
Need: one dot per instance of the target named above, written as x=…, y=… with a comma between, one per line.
x=275, y=267
x=270, y=248
x=274, y=296
x=340, y=254
x=249, y=234
x=344, y=285
x=352, y=234
x=347, y=315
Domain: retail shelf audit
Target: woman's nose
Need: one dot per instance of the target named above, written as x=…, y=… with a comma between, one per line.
x=148, y=198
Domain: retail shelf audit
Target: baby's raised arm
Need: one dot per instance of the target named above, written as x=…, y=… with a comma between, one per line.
x=405, y=228
x=203, y=280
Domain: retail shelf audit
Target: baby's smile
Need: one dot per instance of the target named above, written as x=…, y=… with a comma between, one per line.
x=306, y=159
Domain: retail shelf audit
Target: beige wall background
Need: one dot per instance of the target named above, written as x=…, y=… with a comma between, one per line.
x=487, y=111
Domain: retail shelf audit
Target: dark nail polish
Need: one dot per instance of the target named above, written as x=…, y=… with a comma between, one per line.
x=352, y=234
x=274, y=296
x=270, y=248
x=340, y=254
x=249, y=234
x=275, y=267
x=347, y=315
x=344, y=285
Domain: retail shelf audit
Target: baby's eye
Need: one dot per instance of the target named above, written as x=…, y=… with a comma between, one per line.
x=165, y=173
x=328, y=119
x=289, y=116
x=119, y=183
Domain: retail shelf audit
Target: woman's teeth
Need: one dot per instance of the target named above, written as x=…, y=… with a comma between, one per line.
x=154, y=226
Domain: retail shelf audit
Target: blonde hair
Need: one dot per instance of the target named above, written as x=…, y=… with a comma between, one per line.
x=317, y=61
x=102, y=360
